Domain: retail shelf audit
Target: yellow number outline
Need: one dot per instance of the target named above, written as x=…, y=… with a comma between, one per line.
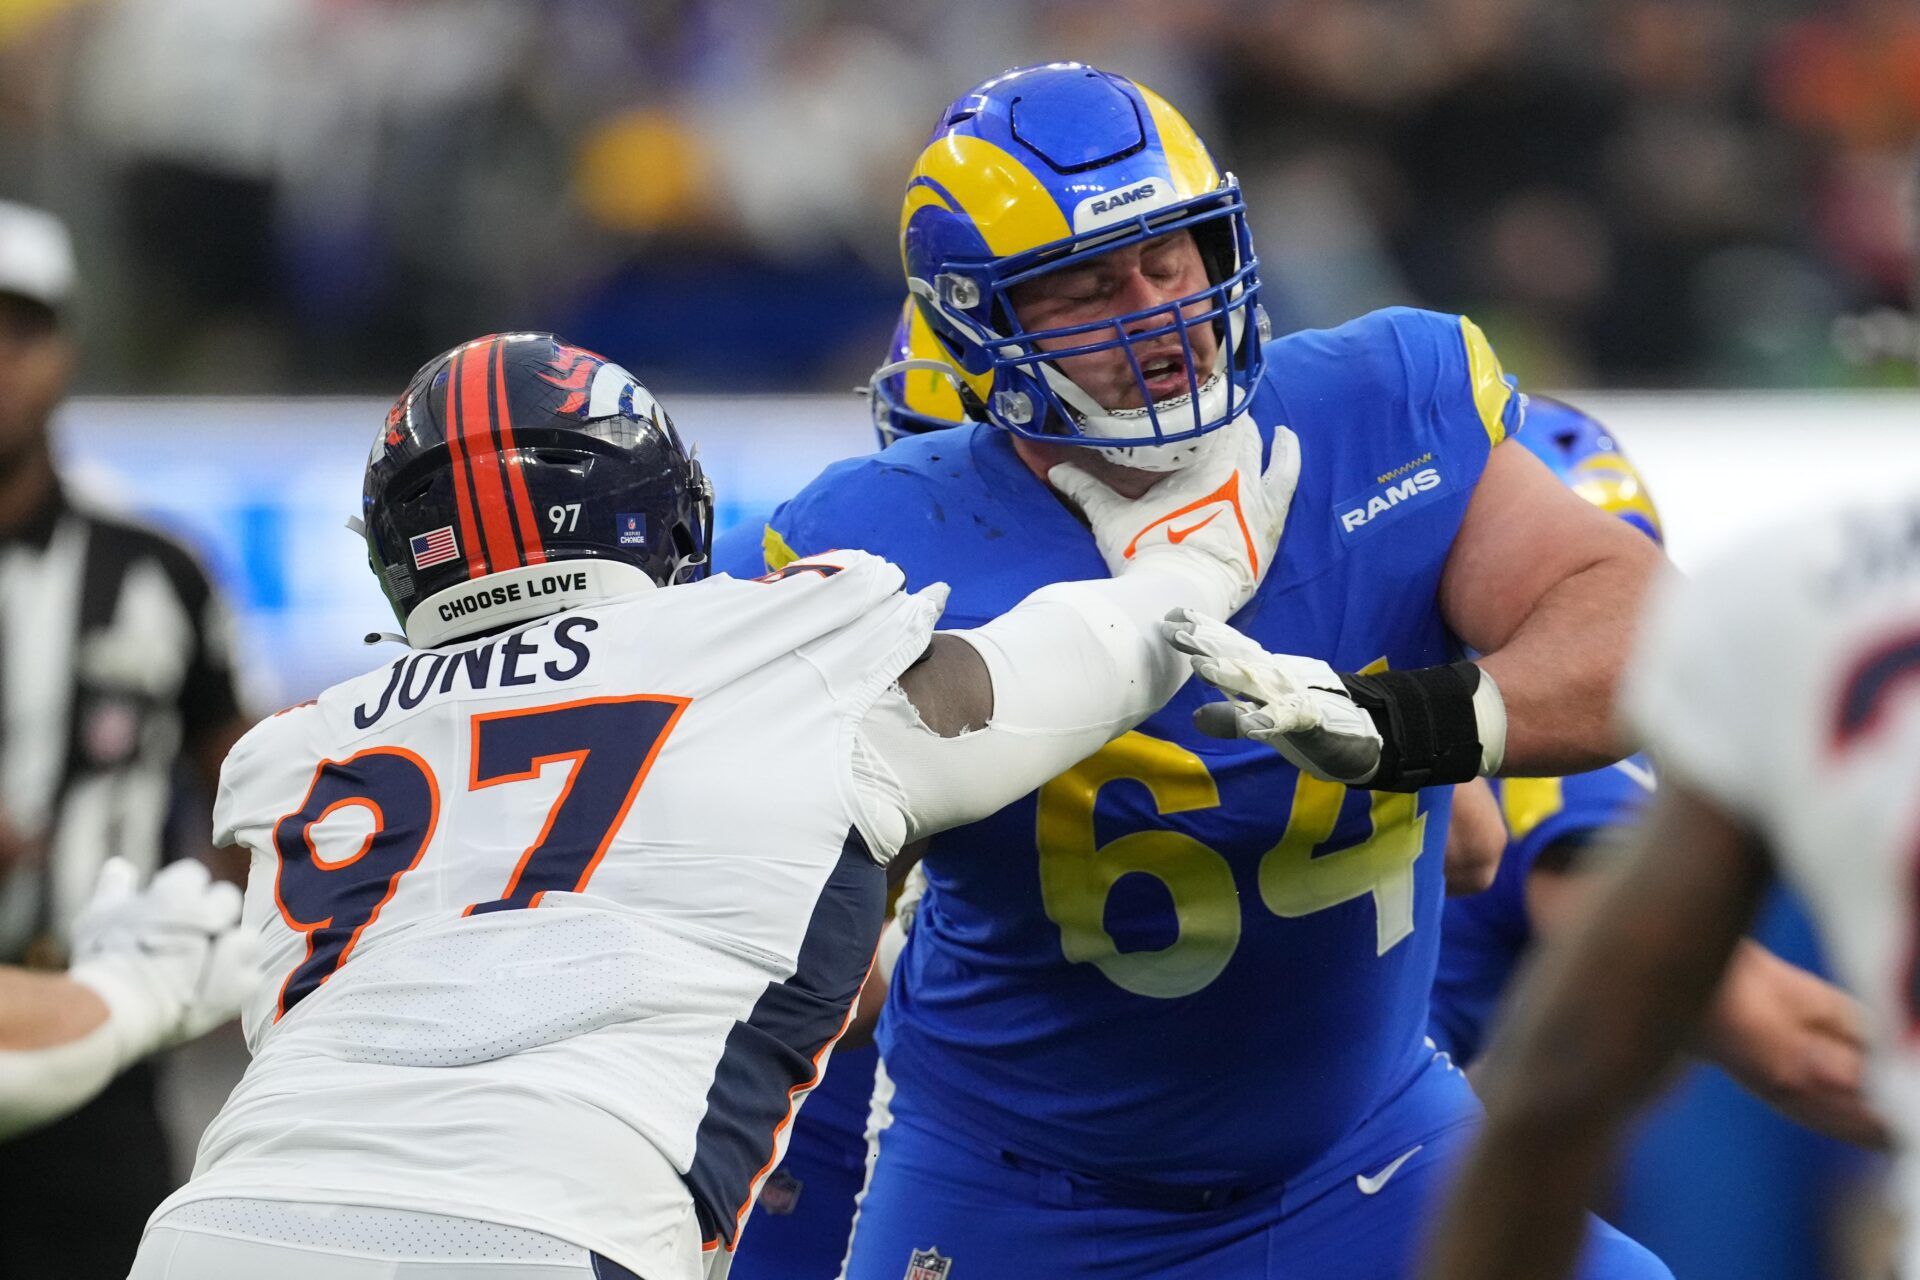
x=1076, y=875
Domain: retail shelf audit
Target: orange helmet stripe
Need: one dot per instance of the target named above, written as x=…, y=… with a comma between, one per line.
x=534, y=551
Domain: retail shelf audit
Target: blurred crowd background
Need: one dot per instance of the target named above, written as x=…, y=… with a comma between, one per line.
x=283, y=198
x=309, y=194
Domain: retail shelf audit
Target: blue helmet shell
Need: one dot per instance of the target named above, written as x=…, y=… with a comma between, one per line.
x=1042, y=168
x=1585, y=456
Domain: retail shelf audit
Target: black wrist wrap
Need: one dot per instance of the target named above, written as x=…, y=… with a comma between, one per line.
x=1428, y=732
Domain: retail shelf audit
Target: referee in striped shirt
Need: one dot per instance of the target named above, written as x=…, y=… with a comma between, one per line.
x=115, y=682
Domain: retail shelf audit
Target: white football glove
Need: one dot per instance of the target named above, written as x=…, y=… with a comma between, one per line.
x=1221, y=515
x=171, y=962
x=1297, y=706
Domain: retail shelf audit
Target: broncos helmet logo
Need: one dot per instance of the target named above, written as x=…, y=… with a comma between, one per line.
x=596, y=387
x=572, y=370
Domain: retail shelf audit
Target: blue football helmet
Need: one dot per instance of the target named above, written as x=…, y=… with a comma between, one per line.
x=516, y=452
x=914, y=390
x=1588, y=460
x=1043, y=168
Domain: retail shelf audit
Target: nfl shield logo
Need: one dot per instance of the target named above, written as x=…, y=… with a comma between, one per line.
x=632, y=528
x=781, y=1193
x=928, y=1264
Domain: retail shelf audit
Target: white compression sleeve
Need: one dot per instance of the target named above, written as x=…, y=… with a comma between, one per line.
x=38, y=1086
x=1074, y=665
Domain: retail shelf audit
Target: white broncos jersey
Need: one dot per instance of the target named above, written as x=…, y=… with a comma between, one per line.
x=1784, y=682
x=548, y=910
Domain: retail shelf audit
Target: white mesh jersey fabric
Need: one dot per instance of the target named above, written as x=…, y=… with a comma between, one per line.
x=379, y=1233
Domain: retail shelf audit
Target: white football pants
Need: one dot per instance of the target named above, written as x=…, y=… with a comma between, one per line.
x=274, y=1240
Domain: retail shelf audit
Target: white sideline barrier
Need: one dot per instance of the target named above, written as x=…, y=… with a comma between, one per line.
x=264, y=487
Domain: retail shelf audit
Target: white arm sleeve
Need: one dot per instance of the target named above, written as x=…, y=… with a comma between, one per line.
x=1074, y=665
x=38, y=1086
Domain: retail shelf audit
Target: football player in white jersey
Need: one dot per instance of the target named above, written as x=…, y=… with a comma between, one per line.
x=564, y=909
x=151, y=969
x=1780, y=689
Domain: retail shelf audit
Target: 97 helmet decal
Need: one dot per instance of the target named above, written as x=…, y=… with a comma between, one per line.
x=1042, y=168
x=914, y=390
x=515, y=453
x=1587, y=458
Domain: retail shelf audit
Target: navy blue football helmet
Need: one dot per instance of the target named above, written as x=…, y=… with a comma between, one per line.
x=515, y=453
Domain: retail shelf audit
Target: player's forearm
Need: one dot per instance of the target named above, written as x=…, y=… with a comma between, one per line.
x=1595, y=1025
x=1086, y=659
x=1559, y=671
x=45, y=1009
x=56, y=1048
x=1517, y=1212
x=1072, y=666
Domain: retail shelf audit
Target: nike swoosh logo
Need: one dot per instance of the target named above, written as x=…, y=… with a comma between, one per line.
x=1640, y=775
x=1371, y=1186
x=1178, y=536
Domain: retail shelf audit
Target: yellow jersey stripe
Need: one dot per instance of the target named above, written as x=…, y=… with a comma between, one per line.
x=776, y=552
x=1491, y=391
x=1528, y=802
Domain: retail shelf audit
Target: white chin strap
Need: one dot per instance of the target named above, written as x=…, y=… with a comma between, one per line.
x=1175, y=413
x=514, y=595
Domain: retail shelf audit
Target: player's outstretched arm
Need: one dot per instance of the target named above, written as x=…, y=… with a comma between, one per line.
x=1789, y=1037
x=150, y=970
x=1595, y=1026
x=992, y=712
x=1540, y=582
x=1547, y=588
x=1796, y=1042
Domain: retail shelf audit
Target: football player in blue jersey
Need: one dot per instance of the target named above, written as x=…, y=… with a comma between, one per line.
x=1166, y=1017
x=1788, y=1036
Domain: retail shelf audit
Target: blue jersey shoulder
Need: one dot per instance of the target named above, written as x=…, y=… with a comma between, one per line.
x=740, y=551
x=1440, y=365
x=955, y=506
x=891, y=503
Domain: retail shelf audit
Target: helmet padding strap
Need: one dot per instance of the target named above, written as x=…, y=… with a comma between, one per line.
x=514, y=595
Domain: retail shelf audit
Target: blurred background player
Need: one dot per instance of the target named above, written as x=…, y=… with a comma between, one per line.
x=115, y=675
x=1777, y=689
x=1783, y=1032
x=151, y=969
x=1113, y=312
x=590, y=1066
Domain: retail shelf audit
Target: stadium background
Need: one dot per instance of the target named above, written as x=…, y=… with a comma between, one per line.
x=1690, y=216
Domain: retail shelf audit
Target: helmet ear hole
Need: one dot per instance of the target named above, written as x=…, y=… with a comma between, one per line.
x=417, y=491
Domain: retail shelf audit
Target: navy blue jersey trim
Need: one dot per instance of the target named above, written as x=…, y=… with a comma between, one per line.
x=605, y=1268
x=773, y=1057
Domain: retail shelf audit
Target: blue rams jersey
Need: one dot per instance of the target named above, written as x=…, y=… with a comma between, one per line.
x=1485, y=934
x=1182, y=961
